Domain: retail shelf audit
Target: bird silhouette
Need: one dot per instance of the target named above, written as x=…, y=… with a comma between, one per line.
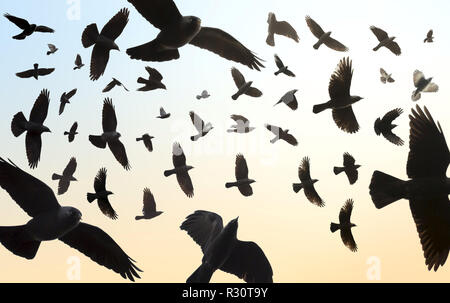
x=244, y=87
x=429, y=37
x=242, y=125
x=147, y=139
x=282, y=28
x=153, y=82
x=281, y=134
x=72, y=132
x=202, y=127
x=385, y=40
x=78, y=62
x=149, y=210
x=35, y=72
x=66, y=177
x=307, y=184
x=101, y=195
x=181, y=170
x=242, y=180
x=289, y=99
x=52, y=49
x=282, y=69
x=384, y=126
x=203, y=95
x=345, y=226
x=27, y=28
x=65, y=99
x=324, y=37
x=349, y=168
x=385, y=77
x=423, y=85
x=163, y=114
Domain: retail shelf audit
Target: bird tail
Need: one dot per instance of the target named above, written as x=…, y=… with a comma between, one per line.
x=385, y=189
x=20, y=36
x=196, y=137
x=48, y=53
x=415, y=96
x=276, y=73
x=56, y=177
x=91, y=197
x=376, y=48
x=334, y=227
x=142, y=80
x=317, y=45
x=235, y=96
x=320, y=107
x=139, y=217
x=199, y=97
x=274, y=140
x=139, y=139
x=270, y=39
x=90, y=35
x=97, y=141
x=18, y=124
x=66, y=133
x=18, y=241
x=202, y=274
x=338, y=170
x=230, y=184
x=297, y=187
x=169, y=172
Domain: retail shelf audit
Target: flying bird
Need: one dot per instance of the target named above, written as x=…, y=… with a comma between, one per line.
x=340, y=99
x=177, y=30
x=422, y=85
x=282, y=28
x=385, y=77
x=35, y=72
x=222, y=250
x=244, y=87
x=52, y=49
x=203, y=95
x=202, y=127
x=51, y=221
x=65, y=99
x=181, y=170
x=147, y=141
x=281, y=134
x=349, y=168
x=385, y=40
x=153, y=82
x=427, y=189
x=66, y=177
x=282, y=68
x=72, y=132
x=110, y=135
x=149, y=210
x=324, y=37
x=34, y=127
x=429, y=37
x=345, y=226
x=289, y=99
x=163, y=114
x=113, y=84
x=101, y=195
x=78, y=62
x=384, y=126
x=242, y=125
x=27, y=28
x=307, y=183
x=103, y=42
x=242, y=180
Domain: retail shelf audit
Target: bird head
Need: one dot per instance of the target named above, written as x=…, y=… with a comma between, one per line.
x=314, y=180
x=357, y=166
x=115, y=46
x=151, y=137
x=36, y=66
x=45, y=129
x=188, y=167
x=250, y=181
x=193, y=22
x=109, y=193
x=357, y=98
x=72, y=213
x=352, y=225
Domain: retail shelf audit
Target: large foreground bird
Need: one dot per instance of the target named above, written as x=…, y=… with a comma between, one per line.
x=222, y=250
x=428, y=187
x=27, y=28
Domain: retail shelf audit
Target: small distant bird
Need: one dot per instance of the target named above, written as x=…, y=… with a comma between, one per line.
x=350, y=168
x=110, y=135
x=428, y=187
x=35, y=72
x=65, y=99
x=181, y=170
x=27, y=28
x=67, y=176
x=203, y=95
x=163, y=114
x=385, y=40
x=282, y=28
x=282, y=68
x=384, y=126
x=149, y=210
x=281, y=134
x=153, y=82
x=78, y=62
x=52, y=49
x=341, y=100
x=346, y=226
x=289, y=99
x=324, y=37
x=242, y=180
x=244, y=88
x=113, y=84
x=72, y=132
x=202, y=128
x=147, y=141
x=429, y=37
x=222, y=250
x=422, y=85
x=101, y=195
x=104, y=41
x=242, y=125
x=34, y=127
x=307, y=183
x=385, y=77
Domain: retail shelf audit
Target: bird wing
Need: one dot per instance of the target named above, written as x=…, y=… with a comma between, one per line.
x=21, y=23
x=253, y=92
x=274, y=129
x=31, y=194
x=303, y=170
x=40, y=108
x=341, y=79
x=71, y=93
x=109, y=120
x=345, y=119
x=289, y=139
x=278, y=61
x=383, y=73
x=392, y=115
x=33, y=144
x=347, y=238
x=197, y=121
x=224, y=45
x=148, y=144
x=312, y=195
x=238, y=78
x=428, y=151
x=45, y=71
x=248, y=262
x=241, y=169
x=43, y=29
x=336, y=45
x=119, y=152
x=149, y=202
x=74, y=127
x=99, y=60
x=25, y=74
x=203, y=226
x=107, y=209
x=100, y=180
x=315, y=28
x=240, y=120
x=154, y=74
x=160, y=13
x=162, y=112
x=78, y=60
x=178, y=157
x=245, y=190
x=394, y=47
x=346, y=212
x=70, y=168
x=393, y=138
x=285, y=29
x=417, y=76
x=290, y=100
x=431, y=88
x=109, y=87
x=185, y=182
x=116, y=24
x=63, y=186
x=52, y=47
x=348, y=160
x=102, y=249
x=379, y=33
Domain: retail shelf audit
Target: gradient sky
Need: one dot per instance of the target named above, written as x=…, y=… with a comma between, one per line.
x=293, y=233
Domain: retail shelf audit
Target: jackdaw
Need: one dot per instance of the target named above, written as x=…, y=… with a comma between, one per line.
x=385, y=77
x=385, y=40
x=203, y=95
x=243, y=86
x=429, y=37
x=65, y=99
x=242, y=180
x=78, y=62
x=147, y=141
x=345, y=226
x=324, y=37
x=149, y=210
x=153, y=82
x=27, y=28
x=66, y=177
x=282, y=68
x=422, y=85
x=384, y=126
x=307, y=183
x=242, y=125
x=112, y=84
x=281, y=134
x=181, y=170
x=35, y=72
x=282, y=28
x=289, y=99
x=350, y=168
x=202, y=128
x=163, y=114
x=72, y=132
x=101, y=195
x=52, y=49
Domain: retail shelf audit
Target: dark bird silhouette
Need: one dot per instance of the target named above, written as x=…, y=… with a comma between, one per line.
x=345, y=226
x=34, y=127
x=177, y=30
x=203, y=95
x=423, y=85
x=324, y=37
x=65, y=99
x=349, y=168
x=72, y=132
x=282, y=68
x=222, y=250
x=282, y=28
x=147, y=141
x=340, y=99
x=113, y=84
x=153, y=82
x=27, y=28
x=242, y=180
x=52, y=49
x=163, y=114
x=385, y=77
x=428, y=187
x=66, y=177
x=110, y=135
x=51, y=221
x=78, y=62
x=104, y=41
x=289, y=99
x=244, y=87
x=307, y=183
x=149, y=210
x=101, y=195
x=384, y=126
x=242, y=125
x=35, y=72
x=429, y=37
x=281, y=134
x=202, y=127
x=181, y=170
x=385, y=40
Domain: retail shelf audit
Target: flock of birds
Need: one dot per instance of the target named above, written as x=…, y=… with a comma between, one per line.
x=427, y=190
